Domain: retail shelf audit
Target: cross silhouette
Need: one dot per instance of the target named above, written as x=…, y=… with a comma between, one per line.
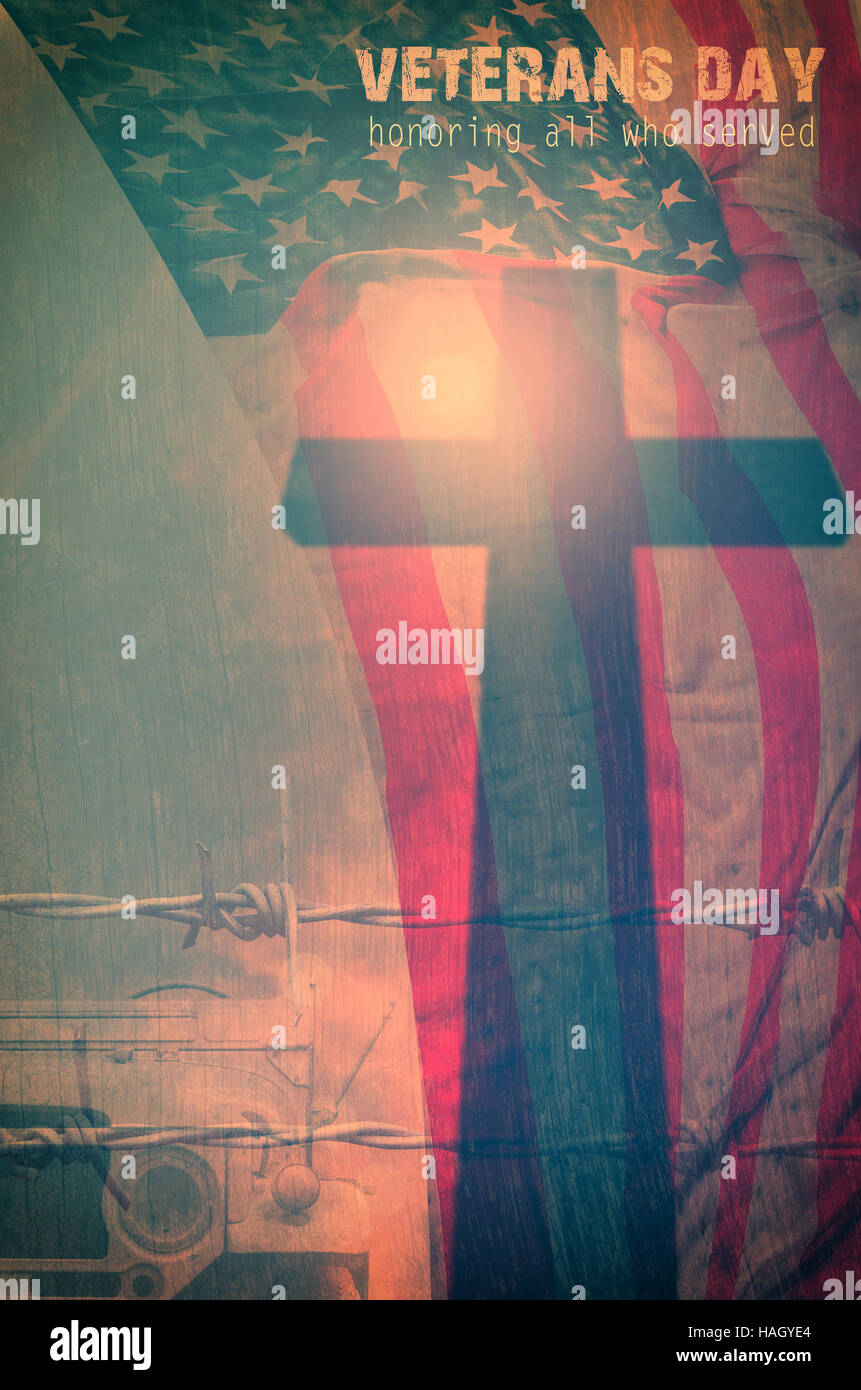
x=356, y=493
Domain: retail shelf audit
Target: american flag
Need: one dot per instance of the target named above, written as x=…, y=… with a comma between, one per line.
x=252, y=130
x=603, y=387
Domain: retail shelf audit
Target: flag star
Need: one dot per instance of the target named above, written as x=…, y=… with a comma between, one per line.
x=673, y=195
x=479, y=179
x=200, y=219
x=252, y=188
x=108, y=25
x=595, y=131
x=437, y=67
x=488, y=36
x=59, y=53
x=631, y=239
x=491, y=236
x=298, y=144
x=316, y=87
x=347, y=190
x=540, y=200
x=525, y=152
x=229, y=270
x=556, y=44
x=389, y=154
x=155, y=82
x=560, y=257
x=154, y=166
x=700, y=252
x=88, y=104
x=531, y=13
x=412, y=190
x=213, y=55
x=291, y=233
x=190, y=124
x=394, y=14
x=354, y=41
x=268, y=34
x=579, y=132
x=606, y=188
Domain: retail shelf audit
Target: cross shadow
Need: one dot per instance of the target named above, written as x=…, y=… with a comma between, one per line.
x=689, y=492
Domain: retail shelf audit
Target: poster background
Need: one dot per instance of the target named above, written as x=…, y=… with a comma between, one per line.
x=256, y=647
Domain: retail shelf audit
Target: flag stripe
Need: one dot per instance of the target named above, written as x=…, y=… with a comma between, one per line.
x=836, y=1245
x=837, y=193
x=777, y=614
x=772, y=279
x=492, y=1208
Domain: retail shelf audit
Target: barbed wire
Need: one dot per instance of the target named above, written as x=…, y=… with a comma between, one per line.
x=78, y=1144
x=249, y=912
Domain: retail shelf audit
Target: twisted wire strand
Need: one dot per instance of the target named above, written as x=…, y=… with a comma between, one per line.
x=249, y=912
x=79, y=1144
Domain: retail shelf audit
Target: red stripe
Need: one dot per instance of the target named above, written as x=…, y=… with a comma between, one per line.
x=665, y=799
x=789, y=321
x=837, y=192
x=726, y=26
x=494, y=1224
x=836, y=1247
x=770, y=593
